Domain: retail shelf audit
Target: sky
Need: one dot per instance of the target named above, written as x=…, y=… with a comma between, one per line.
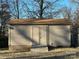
x=59, y=4
x=30, y=3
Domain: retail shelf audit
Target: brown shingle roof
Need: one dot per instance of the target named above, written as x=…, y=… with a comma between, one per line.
x=39, y=21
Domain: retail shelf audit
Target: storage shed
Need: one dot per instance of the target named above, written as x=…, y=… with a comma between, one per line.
x=34, y=33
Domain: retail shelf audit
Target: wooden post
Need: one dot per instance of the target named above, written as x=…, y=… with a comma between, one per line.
x=47, y=34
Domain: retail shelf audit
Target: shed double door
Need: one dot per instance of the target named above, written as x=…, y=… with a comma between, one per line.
x=39, y=35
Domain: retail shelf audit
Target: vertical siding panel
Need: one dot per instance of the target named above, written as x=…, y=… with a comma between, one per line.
x=9, y=36
x=43, y=35
x=35, y=35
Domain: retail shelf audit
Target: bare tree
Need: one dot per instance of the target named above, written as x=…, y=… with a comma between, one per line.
x=41, y=8
x=73, y=17
x=4, y=13
x=17, y=6
x=13, y=8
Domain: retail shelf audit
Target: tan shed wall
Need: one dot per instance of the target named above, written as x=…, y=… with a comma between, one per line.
x=22, y=36
x=59, y=35
x=19, y=37
x=27, y=35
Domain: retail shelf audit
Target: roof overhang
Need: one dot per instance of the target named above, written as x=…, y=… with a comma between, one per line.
x=39, y=22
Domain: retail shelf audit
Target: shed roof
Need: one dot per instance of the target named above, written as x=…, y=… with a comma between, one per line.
x=39, y=21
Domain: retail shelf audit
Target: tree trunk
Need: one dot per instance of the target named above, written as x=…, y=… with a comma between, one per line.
x=41, y=8
x=17, y=6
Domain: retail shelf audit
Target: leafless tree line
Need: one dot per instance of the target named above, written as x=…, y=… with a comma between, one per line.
x=40, y=9
x=32, y=8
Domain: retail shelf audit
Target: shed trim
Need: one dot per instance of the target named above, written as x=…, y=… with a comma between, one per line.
x=39, y=22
